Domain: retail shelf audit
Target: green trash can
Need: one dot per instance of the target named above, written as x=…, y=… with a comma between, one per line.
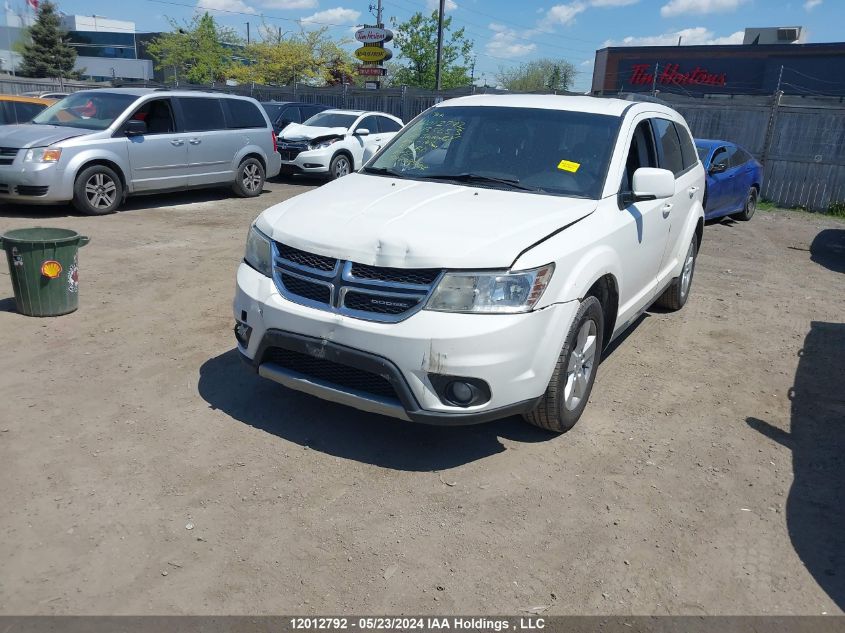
x=44, y=266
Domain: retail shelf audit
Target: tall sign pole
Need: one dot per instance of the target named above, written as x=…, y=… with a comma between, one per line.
x=439, y=44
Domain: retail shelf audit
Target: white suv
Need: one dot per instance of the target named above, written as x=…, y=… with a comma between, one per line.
x=479, y=264
x=333, y=142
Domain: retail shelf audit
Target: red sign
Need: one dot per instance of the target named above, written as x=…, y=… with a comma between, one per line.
x=370, y=71
x=643, y=74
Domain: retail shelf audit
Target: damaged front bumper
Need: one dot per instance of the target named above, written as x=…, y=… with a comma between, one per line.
x=401, y=369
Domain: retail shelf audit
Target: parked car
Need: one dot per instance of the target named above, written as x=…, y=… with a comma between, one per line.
x=333, y=142
x=46, y=95
x=94, y=148
x=283, y=113
x=483, y=281
x=734, y=179
x=15, y=109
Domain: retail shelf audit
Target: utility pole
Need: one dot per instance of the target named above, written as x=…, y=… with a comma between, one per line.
x=379, y=22
x=280, y=35
x=439, y=44
x=247, y=33
x=773, y=115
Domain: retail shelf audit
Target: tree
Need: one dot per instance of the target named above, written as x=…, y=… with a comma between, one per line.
x=47, y=53
x=540, y=75
x=199, y=51
x=416, y=40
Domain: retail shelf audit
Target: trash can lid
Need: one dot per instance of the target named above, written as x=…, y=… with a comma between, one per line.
x=41, y=234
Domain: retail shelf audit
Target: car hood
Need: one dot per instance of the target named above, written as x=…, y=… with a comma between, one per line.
x=400, y=223
x=30, y=135
x=299, y=132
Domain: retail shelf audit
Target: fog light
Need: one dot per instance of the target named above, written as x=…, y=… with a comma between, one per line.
x=459, y=392
x=242, y=334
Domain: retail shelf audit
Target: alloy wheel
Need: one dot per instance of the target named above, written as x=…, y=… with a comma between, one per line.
x=341, y=168
x=582, y=361
x=100, y=190
x=252, y=177
x=689, y=264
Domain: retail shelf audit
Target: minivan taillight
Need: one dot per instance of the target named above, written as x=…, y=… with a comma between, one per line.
x=275, y=146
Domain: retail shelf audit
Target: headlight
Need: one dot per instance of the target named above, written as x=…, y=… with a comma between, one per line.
x=259, y=252
x=43, y=155
x=491, y=292
x=322, y=144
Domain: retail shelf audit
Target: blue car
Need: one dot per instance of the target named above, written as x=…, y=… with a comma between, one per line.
x=734, y=179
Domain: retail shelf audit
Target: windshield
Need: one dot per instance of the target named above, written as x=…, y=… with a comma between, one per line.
x=702, y=153
x=547, y=151
x=331, y=119
x=88, y=110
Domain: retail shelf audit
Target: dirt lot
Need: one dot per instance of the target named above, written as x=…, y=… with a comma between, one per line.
x=706, y=477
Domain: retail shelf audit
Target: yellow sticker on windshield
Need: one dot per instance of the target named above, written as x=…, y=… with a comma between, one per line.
x=568, y=165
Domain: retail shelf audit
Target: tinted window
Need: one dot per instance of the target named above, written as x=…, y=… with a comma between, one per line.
x=7, y=113
x=273, y=110
x=311, y=110
x=331, y=119
x=388, y=125
x=687, y=148
x=242, y=114
x=702, y=152
x=553, y=152
x=740, y=157
x=202, y=114
x=668, y=145
x=723, y=155
x=25, y=111
x=369, y=123
x=640, y=154
x=290, y=115
x=91, y=110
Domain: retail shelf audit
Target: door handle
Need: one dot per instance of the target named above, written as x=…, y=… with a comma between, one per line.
x=195, y=141
x=692, y=189
x=177, y=142
x=667, y=209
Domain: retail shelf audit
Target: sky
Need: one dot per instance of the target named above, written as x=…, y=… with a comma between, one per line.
x=509, y=32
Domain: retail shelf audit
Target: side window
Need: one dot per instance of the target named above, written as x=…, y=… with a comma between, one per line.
x=740, y=157
x=158, y=115
x=369, y=123
x=641, y=154
x=7, y=113
x=723, y=155
x=388, y=125
x=202, y=114
x=242, y=114
x=688, y=153
x=290, y=115
x=25, y=111
x=669, y=146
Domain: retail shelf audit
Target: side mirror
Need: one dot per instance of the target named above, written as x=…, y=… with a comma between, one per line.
x=650, y=183
x=362, y=131
x=718, y=168
x=134, y=127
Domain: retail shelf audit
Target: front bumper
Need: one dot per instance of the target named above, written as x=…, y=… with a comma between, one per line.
x=514, y=354
x=309, y=162
x=33, y=183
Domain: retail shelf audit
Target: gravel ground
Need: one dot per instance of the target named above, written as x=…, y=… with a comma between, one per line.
x=146, y=471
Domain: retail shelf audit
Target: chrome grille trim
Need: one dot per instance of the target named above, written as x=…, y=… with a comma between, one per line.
x=341, y=281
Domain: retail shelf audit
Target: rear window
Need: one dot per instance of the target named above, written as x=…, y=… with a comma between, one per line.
x=687, y=147
x=388, y=125
x=669, y=146
x=740, y=157
x=202, y=114
x=242, y=114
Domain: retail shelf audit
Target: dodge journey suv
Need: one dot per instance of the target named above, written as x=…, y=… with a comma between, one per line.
x=95, y=147
x=477, y=265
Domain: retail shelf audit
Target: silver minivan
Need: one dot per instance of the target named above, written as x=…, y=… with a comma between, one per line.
x=95, y=147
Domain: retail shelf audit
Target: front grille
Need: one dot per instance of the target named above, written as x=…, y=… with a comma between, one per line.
x=311, y=260
x=289, y=154
x=416, y=276
x=319, y=292
x=7, y=155
x=31, y=190
x=374, y=293
x=366, y=302
x=344, y=376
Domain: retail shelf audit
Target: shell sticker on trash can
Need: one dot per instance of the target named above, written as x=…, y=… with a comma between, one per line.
x=73, y=275
x=51, y=269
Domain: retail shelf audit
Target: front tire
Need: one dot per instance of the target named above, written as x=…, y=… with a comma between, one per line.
x=249, y=181
x=676, y=295
x=98, y=190
x=749, y=208
x=340, y=166
x=572, y=381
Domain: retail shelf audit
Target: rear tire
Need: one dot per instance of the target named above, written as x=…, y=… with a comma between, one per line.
x=572, y=381
x=98, y=190
x=676, y=295
x=249, y=181
x=749, y=208
x=340, y=166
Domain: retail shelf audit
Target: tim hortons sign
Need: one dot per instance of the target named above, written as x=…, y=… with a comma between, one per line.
x=373, y=35
x=668, y=74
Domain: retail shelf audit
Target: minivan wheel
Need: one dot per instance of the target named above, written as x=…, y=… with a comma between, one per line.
x=97, y=191
x=249, y=181
x=572, y=381
x=677, y=293
x=749, y=208
x=340, y=167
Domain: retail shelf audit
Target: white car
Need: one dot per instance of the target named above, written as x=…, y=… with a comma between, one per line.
x=333, y=142
x=479, y=264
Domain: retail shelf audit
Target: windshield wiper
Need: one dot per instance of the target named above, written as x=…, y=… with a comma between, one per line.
x=382, y=171
x=470, y=177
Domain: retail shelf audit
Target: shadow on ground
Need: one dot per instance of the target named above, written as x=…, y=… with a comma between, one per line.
x=227, y=384
x=828, y=249
x=815, y=508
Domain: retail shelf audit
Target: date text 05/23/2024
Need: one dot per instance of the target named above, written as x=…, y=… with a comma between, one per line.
x=417, y=623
